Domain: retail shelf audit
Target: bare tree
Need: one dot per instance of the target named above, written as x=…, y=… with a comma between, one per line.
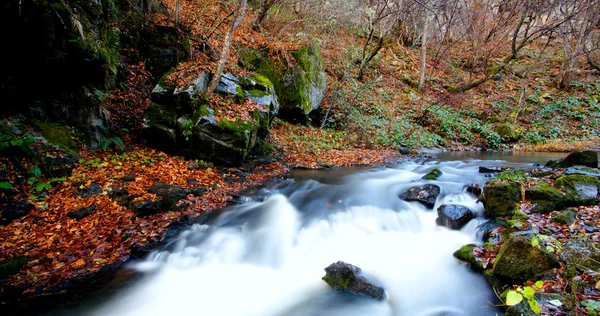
x=238, y=16
x=264, y=7
x=426, y=23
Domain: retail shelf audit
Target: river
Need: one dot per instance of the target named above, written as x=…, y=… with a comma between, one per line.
x=267, y=258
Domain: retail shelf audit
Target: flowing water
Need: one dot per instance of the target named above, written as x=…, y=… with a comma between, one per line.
x=268, y=258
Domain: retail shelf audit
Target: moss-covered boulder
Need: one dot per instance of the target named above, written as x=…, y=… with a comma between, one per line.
x=501, y=198
x=162, y=47
x=466, y=254
x=579, y=189
x=588, y=158
x=433, y=174
x=346, y=277
x=518, y=259
x=584, y=255
x=565, y=217
x=58, y=135
x=583, y=170
x=545, y=198
x=509, y=132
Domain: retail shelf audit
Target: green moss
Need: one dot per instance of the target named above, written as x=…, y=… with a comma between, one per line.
x=492, y=279
x=586, y=158
x=162, y=81
x=249, y=58
x=262, y=83
x=433, y=174
x=58, y=135
x=579, y=189
x=157, y=114
x=507, y=131
x=565, y=217
x=12, y=266
x=258, y=93
x=501, y=198
x=545, y=197
x=519, y=215
x=465, y=253
x=340, y=281
x=239, y=94
x=242, y=130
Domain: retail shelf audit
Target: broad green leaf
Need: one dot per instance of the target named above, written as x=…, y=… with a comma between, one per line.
x=513, y=298
x=5, y=185
x=535, y=307
x=549, y=249
x=40, y=186
x=535, y=242
x=5, y=137
x=528, y=292
x=119, y=142
x=543, y=237
x=539, y=284
x=17, y=142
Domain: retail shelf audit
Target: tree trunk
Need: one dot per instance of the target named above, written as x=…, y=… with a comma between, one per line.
x=177, y=10
x=265, y=5
x=424, y=52
x=237, y=19
x=366, y=61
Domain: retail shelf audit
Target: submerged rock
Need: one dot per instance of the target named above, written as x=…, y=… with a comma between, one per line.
x=500, y=199
x=518, y=259
x=433, y=174
x=426, y=194
x=454, y=216
x=545, y=198
x=579, y=189
x=588, y=158
x=346, y=277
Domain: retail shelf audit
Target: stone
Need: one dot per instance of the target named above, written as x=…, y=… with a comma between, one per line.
x=170, y=195
x=12, y=266
x=579, y=189
x=82, y=212
x=15, y=210
x=453, y=216
x=518, y=259
x=465, y=254
x=585, y=255
x=508, y=132
x=128, y=178
x=426, y=194
x=91, y=190
x=587, y=158
x=565, y=217
x=434, y=174
x=545, y=198
x=483, y=169
x=583, y=170
x=346, y=277
x=474, y=189
x=501, y=198
x=145, y=208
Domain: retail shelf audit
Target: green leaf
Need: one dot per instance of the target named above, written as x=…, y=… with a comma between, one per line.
x=513, y=298
x=31, y=181
x=17, y=142
x=539, y=284
x=5, y=185
x=535, y=242
x=40, y=186
x=5, y=137
x=535, y=307
x=549, y=249
x=528, y=292
x=557, y=303
x=543, y=237
x=104, y=144
x=119, y=142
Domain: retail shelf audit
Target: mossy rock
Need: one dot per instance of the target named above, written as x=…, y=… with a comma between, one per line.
x=250, y=58
x=501, y=199
x=565, y=217
x=583, y=170
x=579, y=189
x=58, y=135
x=434, y=174
x=465, y=253
x=509, y=132
x=545, y=197
x=584, y=255
x=588, y=158
x=12, y=266
x=518, y=259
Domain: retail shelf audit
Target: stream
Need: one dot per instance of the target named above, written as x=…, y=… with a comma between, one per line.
x=268, y=258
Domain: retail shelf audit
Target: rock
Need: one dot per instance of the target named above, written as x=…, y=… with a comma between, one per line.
x=181, y=99
x=433, y=174
x=584, y=255
x=474, y=189
x=196, y=192
x=145, y=208
x=262, y=91
x=508, y=132
x=128, y=178
x=230, y=86
x=346, y=277
x=453, y=216
x=465, y=253
x=82, y=212
x=426, y=194
x=517, y=259
x=58, y=135
x=193, y=166
x=523, y=308
x=490, y=230
x=12, y=266
x=579, y=189
x=491, y=169
x=15, y=210
x=500, y=199
x=164, y=47
x=88, y=192
x=170, y=195
x=545, y=198
x=583, y=170
x=588, y=158
x=565, y=217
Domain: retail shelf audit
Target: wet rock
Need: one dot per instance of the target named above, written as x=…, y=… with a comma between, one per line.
x=564, y=217
x=15, y=210
x=453, y=216
x=88, y=192
x=500, y=199
x=426, y=194
x=82, y=212
x=474, y=189
x=346, y=277
x=588, y=158
x=584, y=255
x=545, y=198
x=579, y=189
x=465, y=253
x=517, y=259
x=145, y=208
x=170, y=195
x=433, y=174
x=491, y=169
x=12, y=266
x=490, y=230
x=582, y=170
x=196, y=192
x=120, y=195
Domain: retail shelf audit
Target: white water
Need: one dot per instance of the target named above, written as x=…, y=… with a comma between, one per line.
x=268, y=258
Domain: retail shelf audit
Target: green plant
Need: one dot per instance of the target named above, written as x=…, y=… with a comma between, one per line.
x=549, y=243
x=36, y=182
x=515, y=297
x=5, y=185
x=592, y=306
x=8, y=140
x=187, y=129
x=109, y=139
x=534, y=137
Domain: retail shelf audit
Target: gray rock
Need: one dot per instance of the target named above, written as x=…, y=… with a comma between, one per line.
x=454, y=216
x=15, y=210
x=93, y=189
x=426, y=194
x=82, y=212
x=346, y=277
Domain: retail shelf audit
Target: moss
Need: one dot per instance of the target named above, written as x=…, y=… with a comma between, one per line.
x=507, y=131
x=162, y=81
x=242, y=130
x=519, y=215
x=58, y=135
x=465, y=253
x=240, y=96
x=579, y=189
x=518, y=259
x=12, y=266
x=340, y=281
x=249, y=58
x=201, y=112
x=501, y=198
x=565, y=217
x=586, y=158
x=258, y=93
x=262, y=83
x=157, y=114
x=545, y=197
x=433, y=174
x=492, y=279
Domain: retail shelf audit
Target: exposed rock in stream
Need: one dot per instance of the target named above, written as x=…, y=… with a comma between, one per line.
x=501, y=198
x=426, y=194
x=588, y=158
x=454, y=216
x=346, y=277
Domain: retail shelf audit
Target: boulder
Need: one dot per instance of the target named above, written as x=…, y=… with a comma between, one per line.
x=588, y=158
x=170, y=195
x=501, y=198
x=145, y=208
x=545, y=198
x=466, y=254
x=583, y=170
x=509, y=132
x=433, y=174
x=163, y=47
x=453, y=216
x=474, y=189
x=88, y=192
x=584, y=255
x=15, y=210
x=565, y=217
x=491, y=169
x=82, y=212
x=426, y=194
x=518, y=259
x=346, y=277
x=579, y=189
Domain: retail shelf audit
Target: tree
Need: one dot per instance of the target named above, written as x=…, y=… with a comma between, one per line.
x=238, y=16
x=264, y=7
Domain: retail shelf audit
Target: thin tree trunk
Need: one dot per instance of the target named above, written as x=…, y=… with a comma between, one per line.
x=237, y=19
x=177, y=11
x=265, y=5
x=424, y=52
x=365, y=62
